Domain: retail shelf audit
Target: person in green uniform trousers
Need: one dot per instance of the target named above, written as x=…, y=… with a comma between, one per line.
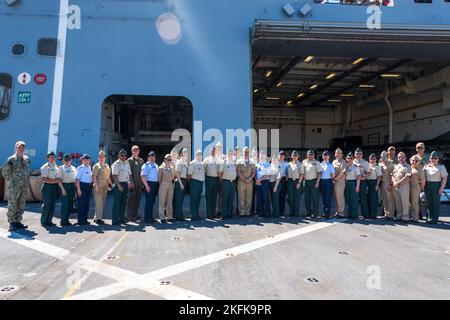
x=227, y=176
x=67, y=175
x=313, y=173
x=181, y=168
x=352, y=185
x=373, y=184
x=121, y=173
x=196, y=179
x=294, y=173
x=275, y=185
x=50, y=179
x=211, y=165
x=436, y=176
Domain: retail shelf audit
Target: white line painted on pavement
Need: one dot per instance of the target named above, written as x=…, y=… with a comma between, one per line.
x=167, y=272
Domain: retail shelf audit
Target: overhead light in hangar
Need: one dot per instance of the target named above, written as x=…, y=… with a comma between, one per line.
x=269, y=73
x=358, y=61
x=289, y=102
x=334, y=100
x=314, y=86
x=330, y=76
x=300, y=95
x=308, y=59
x=367, y=86
x=279, y=84
x=347, y=95
x=272, y=98
x=390, y=75
x=255, y=91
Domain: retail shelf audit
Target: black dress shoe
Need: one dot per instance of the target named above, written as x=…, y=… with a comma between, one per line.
x=21, y=226
x=99, y=221
x=68, y=224
x=12, y=226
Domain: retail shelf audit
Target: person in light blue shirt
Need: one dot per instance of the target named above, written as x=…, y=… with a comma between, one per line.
x=326, y=183
x=149, y=177
x=83, y=184
x=263, y=173
x=283, y=182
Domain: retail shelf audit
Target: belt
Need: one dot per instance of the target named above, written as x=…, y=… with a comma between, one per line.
x=293, y=179
x=228, y=180
x=152, y=181
x=50, y=184
x=211, y=177
x=372, y=180
x=85, y=182
x=68, y=183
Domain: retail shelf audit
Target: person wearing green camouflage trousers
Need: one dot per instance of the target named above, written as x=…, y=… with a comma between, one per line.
x=16, y=172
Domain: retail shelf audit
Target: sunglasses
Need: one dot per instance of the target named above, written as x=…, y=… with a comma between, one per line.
x=414, y=161
x=434, y=158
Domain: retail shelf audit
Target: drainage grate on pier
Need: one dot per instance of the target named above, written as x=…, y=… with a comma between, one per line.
x=364, y=236
x=312, y=280
x=230, y=255
x=78, y=240
x=165, y=283
x=343, y=253
x=110, y=258
x=8, y=289
x=177, y=238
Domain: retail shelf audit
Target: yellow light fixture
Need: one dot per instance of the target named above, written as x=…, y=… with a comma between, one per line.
x=309, y=59
x=347, y=95
x=330, y=76
x=268, y=74
x=367, y=86
x=334, y=100
x=289, y=102
x=272, y=98
x=300, y=95
x=358, y=61
x=390, y=75
x=314, y=86
x=255, y=91
x=279, y=84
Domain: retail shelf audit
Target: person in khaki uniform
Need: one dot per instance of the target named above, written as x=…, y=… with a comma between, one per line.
x=416, y=186
x=246, y=172
x=181, y=168
x=121, y=173
x=339, y=165
x=50, y=177
x=227, y=177
x=387, y=191
x=436, y=175
x=313, y=173
x=295, y=171
x=67, y=175
x=101, y=173
x=166, y=175
x=400, y=183
x=135, y=193
x=352, y=184
x=391, y=155
x=196, y=179
x=424, y=159
x=373, y=185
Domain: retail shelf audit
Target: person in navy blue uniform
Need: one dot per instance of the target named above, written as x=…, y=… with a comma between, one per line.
x=149, y=177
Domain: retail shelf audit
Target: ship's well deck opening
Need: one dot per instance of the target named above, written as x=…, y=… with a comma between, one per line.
x=146, y=121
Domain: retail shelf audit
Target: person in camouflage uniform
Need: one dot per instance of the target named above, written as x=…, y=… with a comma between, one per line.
x=16, y=172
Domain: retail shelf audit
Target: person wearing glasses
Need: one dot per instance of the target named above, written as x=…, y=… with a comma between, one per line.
x=121, y=173
x=67, y=175
x=364, y=170
x=400, y=183
x=424, y=158
x=352, y=184
x=436, y=178
x=101, y=173
x=295, y=172
x=166, y=175
x=313, y=173
x=50, y=177
x=149, y=177
x=373, y=185
x=416, y=186
x=83, y=185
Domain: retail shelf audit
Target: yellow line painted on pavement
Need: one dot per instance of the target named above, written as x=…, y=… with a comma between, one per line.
x=78, y=284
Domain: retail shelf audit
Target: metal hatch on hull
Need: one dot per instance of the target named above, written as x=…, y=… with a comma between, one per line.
x=286, y=38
